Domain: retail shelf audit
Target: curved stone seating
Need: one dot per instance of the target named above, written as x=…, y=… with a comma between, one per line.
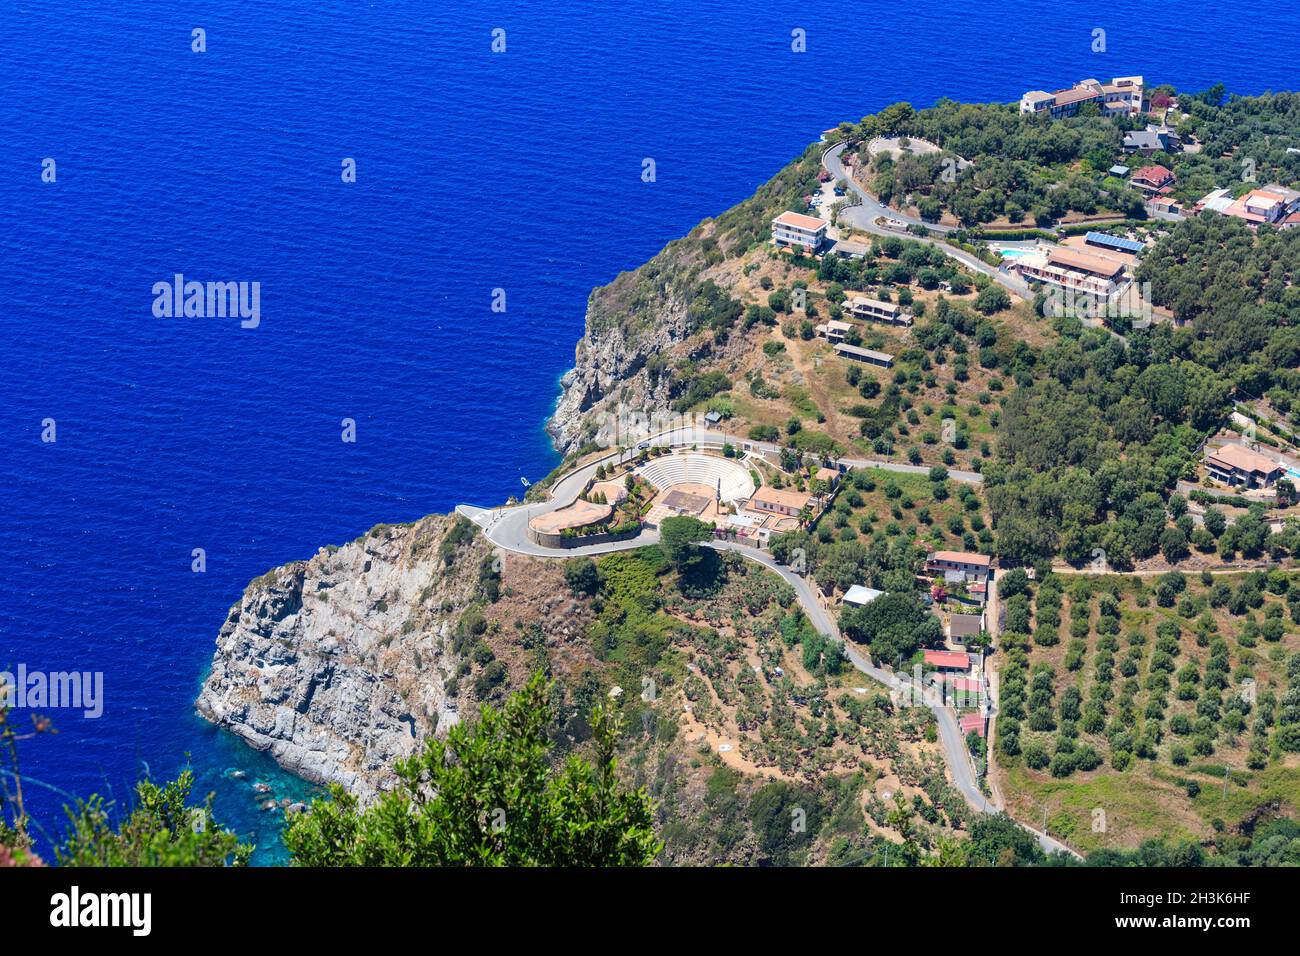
x=699, y=469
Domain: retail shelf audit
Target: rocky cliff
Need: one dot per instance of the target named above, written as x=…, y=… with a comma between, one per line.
x=610, y=367
x=647, y=332
x=339, y=665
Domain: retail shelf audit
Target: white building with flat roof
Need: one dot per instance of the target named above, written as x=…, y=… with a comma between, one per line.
x=834, y=330
x=1217, y=200
x=796, y=229
x=860, y=595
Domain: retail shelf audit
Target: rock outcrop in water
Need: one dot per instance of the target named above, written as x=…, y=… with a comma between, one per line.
x=339, y=665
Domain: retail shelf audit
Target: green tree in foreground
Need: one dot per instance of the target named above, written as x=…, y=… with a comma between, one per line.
x=161, y=830
x=679, y=535
x=488, y=796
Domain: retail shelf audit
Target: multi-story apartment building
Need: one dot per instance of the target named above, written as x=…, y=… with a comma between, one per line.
x=1241, y=467
x=1073, y=269
x=861, y=307
x=1121, y=96
x=795, y=229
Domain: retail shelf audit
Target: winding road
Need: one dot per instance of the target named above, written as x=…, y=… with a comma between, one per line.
x=507, y=528
x=863, y=216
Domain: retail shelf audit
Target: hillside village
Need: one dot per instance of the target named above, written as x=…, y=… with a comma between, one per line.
x=880, y=338
x=943, y=491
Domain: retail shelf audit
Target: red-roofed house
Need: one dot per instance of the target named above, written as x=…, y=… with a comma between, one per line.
x=948, y=660
x=969, y=722
x=1239, y=466
x=1152, y=180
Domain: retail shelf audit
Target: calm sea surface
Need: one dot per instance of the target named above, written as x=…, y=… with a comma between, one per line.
x=475, y=171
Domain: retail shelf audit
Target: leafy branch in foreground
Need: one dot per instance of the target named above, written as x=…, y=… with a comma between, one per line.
x=15, y=841
x=488, y=796
x=162, y=829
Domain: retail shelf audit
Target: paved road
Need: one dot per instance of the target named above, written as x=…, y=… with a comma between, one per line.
x=870, y=207
x=864, y=215
x=954, y=747
x=821, y=617
x=507, y=528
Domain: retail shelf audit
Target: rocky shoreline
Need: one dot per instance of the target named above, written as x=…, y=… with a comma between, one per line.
x=610, y=362
x=337, y=666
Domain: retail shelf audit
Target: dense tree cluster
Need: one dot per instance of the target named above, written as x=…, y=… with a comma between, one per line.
x=1023, y=166
x=1245, y=135
x=1090, y=445
x=894, y=626
x=1033, y=167
x=1239, y=291
x=881, y=561
x=893, y=261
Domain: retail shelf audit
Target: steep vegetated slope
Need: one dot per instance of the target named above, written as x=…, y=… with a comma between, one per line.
x=741, y=718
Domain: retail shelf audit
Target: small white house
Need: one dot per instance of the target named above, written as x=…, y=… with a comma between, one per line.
x=860, y=596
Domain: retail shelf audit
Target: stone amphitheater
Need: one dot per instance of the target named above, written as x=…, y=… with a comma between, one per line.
x=690, y=482
x=695, y=468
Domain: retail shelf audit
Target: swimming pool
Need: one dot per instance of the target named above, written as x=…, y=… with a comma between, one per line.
x=1014, y=253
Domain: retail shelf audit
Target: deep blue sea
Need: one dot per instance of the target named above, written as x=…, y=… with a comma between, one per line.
x=475, y=171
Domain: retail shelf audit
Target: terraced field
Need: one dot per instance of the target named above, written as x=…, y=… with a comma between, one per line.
x=1135, y=707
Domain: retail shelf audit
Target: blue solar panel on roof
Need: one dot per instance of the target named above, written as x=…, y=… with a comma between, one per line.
x=1115, y=242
